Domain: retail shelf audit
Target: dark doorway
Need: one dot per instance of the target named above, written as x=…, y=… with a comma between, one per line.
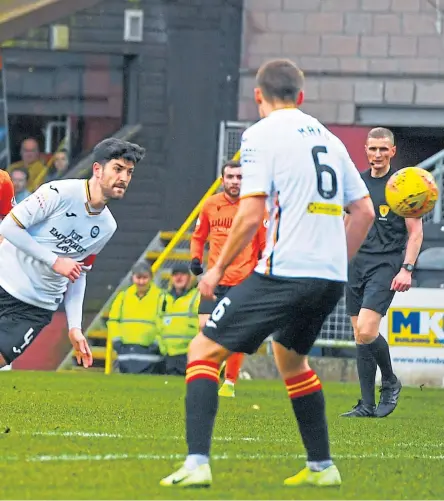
x=416, y=144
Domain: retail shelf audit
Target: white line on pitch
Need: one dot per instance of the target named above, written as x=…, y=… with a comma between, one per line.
x=79, y=434
x=92, y=434
x=156, y=457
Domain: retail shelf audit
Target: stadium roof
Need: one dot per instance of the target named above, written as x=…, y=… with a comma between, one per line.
x=19, y=16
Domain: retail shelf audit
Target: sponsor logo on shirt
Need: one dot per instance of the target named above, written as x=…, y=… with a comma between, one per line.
x=68, y=243
x=221, y=223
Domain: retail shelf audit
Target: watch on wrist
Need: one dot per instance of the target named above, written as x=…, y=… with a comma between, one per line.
x=408, y=267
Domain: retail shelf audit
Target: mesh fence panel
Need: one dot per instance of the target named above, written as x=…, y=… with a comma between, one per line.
x=337, y=329
x=232, y=138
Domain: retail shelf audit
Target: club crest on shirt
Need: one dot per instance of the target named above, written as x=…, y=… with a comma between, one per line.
x=95, y=230
x=384, y=210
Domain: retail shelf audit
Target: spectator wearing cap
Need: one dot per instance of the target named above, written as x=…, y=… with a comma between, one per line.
x=133, y=324
x=178, y=319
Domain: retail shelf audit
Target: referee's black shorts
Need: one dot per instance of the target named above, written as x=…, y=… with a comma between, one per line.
x=295, y=309
x=370, y=277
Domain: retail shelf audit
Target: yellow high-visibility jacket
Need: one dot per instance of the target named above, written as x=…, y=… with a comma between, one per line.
x=179, y=321
x=132, y=319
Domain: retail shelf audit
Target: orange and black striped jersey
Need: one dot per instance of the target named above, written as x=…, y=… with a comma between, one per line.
x=6, y=194
x=214, y=223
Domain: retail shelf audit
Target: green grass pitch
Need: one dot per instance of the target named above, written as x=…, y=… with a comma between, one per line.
x=88, y=436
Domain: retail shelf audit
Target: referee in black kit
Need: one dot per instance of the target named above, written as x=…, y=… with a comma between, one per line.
x=383, y=266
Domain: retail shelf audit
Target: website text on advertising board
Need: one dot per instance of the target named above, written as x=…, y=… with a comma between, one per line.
x=419, y=360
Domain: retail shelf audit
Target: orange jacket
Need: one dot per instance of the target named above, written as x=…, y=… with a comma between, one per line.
x=214, y=223
x=6, y=193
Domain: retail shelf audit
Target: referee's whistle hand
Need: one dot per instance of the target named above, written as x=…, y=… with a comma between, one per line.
x=68, y=268
x=402, y=282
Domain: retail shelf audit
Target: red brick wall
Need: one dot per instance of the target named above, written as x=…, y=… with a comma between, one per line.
x=354, y=138
x=49, y=349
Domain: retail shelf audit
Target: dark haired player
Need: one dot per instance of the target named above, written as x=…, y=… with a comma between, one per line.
x=51, y=240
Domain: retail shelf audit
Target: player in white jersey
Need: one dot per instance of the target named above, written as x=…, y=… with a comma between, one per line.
x=51, y=240
x=305, y=172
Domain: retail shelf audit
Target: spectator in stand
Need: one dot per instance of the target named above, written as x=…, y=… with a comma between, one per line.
x=59, y=167
x=133, y=324
x=179, y=319
x=20, y=177
x=37, y=170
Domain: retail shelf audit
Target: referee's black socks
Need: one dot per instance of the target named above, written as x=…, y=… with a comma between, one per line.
x=305, y=392
x=366, y=365
x=380, y=350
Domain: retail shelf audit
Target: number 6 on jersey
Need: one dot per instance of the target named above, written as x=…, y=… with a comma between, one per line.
x=326, y=175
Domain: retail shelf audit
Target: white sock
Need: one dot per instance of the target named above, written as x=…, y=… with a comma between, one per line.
x=194, y=460
x=319, y=465
x=230, y=383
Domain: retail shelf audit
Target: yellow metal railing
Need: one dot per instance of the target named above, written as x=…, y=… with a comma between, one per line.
x=167, y=251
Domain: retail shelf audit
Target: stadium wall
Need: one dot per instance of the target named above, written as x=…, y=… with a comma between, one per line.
x=181, y=81
x=362, y=58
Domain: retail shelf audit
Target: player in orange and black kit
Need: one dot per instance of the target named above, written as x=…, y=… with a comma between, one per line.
x=214, y=223
x=6, y=194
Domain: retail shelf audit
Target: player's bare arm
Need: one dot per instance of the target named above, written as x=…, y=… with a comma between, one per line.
x=403, y=280
x=245, y=225
x=358, y=222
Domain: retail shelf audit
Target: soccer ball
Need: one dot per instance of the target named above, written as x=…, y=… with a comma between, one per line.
x=411, y=192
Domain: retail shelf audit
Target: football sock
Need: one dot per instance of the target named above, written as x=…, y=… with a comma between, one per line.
x=305, y=392
x=380, y=351
x=319, y=465
x=366, y=365
x=202, y=380
x=234, y=364
x=195, y=460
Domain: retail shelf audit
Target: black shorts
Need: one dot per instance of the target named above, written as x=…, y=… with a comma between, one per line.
x=294, y=309
x=369, y=280
x=20, y=323
x=206, y=306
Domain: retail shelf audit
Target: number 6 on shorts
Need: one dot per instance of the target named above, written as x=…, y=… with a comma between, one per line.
x=219, y=311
